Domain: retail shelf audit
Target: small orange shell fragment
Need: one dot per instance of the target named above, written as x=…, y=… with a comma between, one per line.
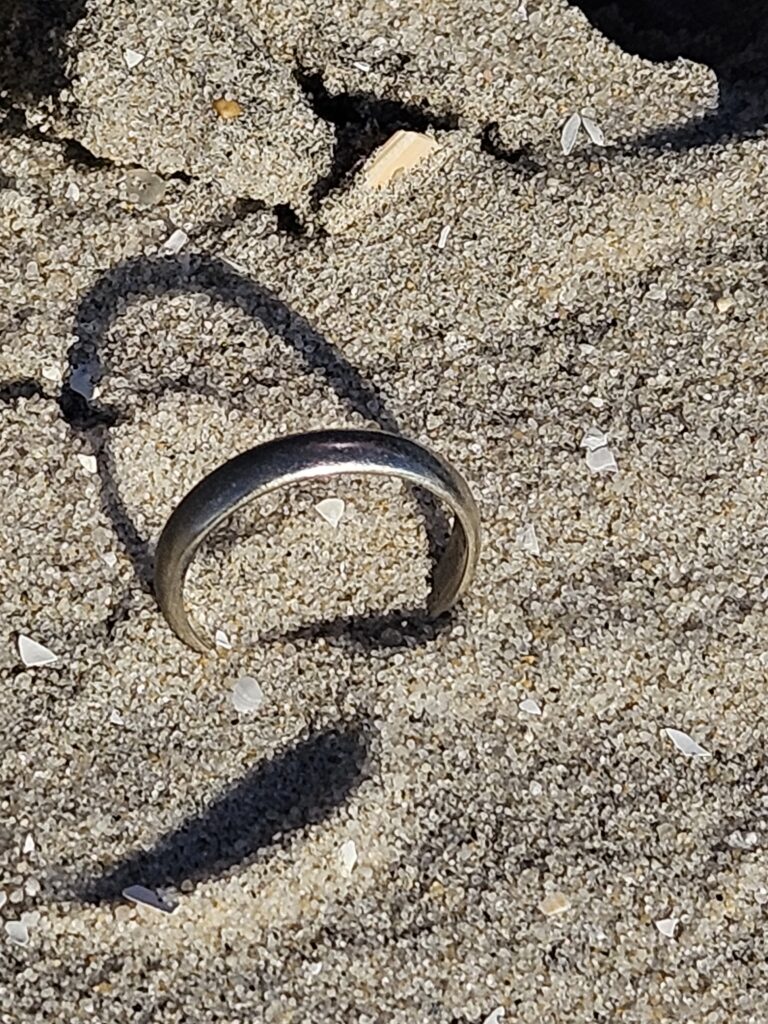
x=227, y=110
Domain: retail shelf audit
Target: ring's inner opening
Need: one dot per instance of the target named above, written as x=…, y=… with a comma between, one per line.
x=339, y=548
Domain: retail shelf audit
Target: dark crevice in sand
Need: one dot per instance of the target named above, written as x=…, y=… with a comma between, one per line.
x=363, y=122
x=16, y=125
x=492, y=143
x=24, y=387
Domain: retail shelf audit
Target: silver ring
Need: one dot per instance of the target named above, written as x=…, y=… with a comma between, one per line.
x=300, y=457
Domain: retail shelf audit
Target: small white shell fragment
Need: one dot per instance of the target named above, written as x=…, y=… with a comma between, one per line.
x=73, y=192
x=109, y=558
x=32, y=653
x=313, y=968
x=29, y=844
x=570, y=131
x=88, y=462
x=724, y=303
x=53, y=374
x=555, y=903
x=361, y=65
x=221, y=639
x=175, y=243
x=530, y=706
x=496, y=1016
x=668, y=926
x=148, y=898
x=348, y=857
x=3, y=898
x=17, y=932
x=602, y=460
x=132, y=58
x=443, y=239
x=331, y=510
x=116, y=718
x=593, y=130
x=399, y=153
x=594, y=439
x=527, y=540
x=685, y=744
x=247, y=695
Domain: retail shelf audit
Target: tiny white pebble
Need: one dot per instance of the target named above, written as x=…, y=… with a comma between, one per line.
x=29, y=844
x=361, y=65
x=442, y=240
x=348, y=857
x=17, y=932
x=116, y=718
x=88, y=462
x=73, y=192
x=132, y=58
x=530, y=706
x=109, y=558
x=668, y=926
x=3, y=898
x=32, y=653
x=331, y=510
x=313, y=969
x=53, y=374
x=175, y=243
x=685, y=744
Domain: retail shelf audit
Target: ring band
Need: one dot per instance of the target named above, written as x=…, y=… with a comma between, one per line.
x=300, y=457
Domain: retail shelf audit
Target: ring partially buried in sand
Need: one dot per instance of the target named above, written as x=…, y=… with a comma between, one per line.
x=302, y=457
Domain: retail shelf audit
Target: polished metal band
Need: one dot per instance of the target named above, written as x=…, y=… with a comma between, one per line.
x=301, y=457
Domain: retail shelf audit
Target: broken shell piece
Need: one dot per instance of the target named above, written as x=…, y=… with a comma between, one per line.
x=247, y=695
x=668, y=926
x=17, y=932
x=400, y=153
x=32, y=653
x=53, y=374
x=148, y=898
x=88, y=462
x=569, y=133
x=132, y=58
x=496, y=1016
x=555, y=903
x=73, y=192
x=685, y=744
x=221, y=639
x=227, y=110
x=29, y=844
x=724, y=303
x=175, y=243
x=348, y=857
x=593, y=130
x=443, y=239
x=527, y=540
x=530, y=706
x=601, y=460
x=331, y=510
x=594, y=439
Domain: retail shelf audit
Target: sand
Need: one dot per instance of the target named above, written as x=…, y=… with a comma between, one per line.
x=507, y=866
